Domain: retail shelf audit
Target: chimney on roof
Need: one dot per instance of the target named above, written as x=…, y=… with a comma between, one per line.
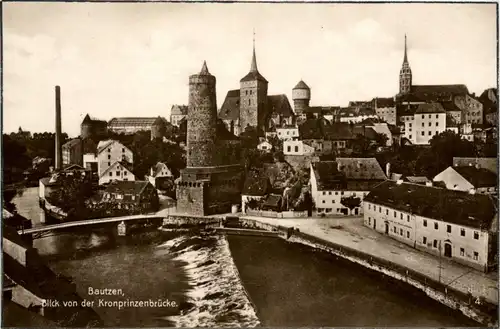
x=428, y=183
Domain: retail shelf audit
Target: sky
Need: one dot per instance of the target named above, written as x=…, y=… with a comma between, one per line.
x=134, y=59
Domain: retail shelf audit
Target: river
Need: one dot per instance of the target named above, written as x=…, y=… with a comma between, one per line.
x=208, y=278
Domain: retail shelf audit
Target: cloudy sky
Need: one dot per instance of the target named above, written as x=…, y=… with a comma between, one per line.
x=134, y=59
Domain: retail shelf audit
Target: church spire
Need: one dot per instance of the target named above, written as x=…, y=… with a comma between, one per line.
x=253, y=67
x=405, y=60
x=204, y=69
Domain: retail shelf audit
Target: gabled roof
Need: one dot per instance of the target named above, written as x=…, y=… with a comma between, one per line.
x=230, y=109
x=361, y=168
x=179, y=110
x=365, y=131
x=430, y=108
x=339, y=131
x=478, y=177
x=252, y=76
x=72, y=143
x=279, y=104
x=417, y=179
x=487, y=163
x=439, y=89
x=115, y=164
x=106, y=143
x=158, y=168
x=256, y=184
x=327, y=176
x=301, y=85
x=462, y=208
x=127, y=187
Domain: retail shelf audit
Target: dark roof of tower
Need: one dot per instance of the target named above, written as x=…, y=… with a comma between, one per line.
x=405, y=59
x=204, y=69
x=254, y=72
x=384, y=102
x=461, y=208
x=301, y=85
x=159, y=122
x=230, y=109
x=86, y=119
x=279, y=104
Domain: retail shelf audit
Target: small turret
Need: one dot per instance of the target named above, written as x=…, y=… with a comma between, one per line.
x=301, y=95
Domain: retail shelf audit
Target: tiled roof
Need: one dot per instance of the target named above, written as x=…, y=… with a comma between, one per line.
x=440, y=89
x=487, y=163
x=301, y=85
x=411, y=98
x=430, y=108
x=361, y=168
x=327, y=176
x=478, y=177
x=157, y=169
x=230, y=109
x=314, y=128
x=106, y=143
x=127, y=187
x=72, y=143
x=368, y=132
x=132, y=121
x=417, y=179
x=179, y=110
x=384, y=102
x=462, y=208
x=256, y=183
x=89, y=119
x=279, y=104
x=124, y=164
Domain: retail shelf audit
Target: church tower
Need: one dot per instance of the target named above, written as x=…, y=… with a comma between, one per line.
x=253, y=97
x=405, y=75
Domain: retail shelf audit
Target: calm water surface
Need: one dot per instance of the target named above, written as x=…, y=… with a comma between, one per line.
x=289, y=284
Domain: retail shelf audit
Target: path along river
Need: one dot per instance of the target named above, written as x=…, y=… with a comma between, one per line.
x=287, y=284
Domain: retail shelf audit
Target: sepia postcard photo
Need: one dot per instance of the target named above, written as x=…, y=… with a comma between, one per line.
x=249, y=164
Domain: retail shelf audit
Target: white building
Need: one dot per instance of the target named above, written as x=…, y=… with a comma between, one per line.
x=159, y=172
x=287, y=132
x=109, y=152
x=177, y=114
x=297, y=147
x=333, y=180
x=429, y=120
x=118, y=171
x=265, y=146
x=450, y=224
x=386, y=109
x=468, y=178
x=256, y=187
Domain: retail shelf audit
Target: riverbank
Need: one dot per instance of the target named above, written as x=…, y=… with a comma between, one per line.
x=333, y=240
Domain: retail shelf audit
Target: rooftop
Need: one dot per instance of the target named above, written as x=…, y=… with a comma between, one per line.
x=430, y=108
x=361, y=168
x=487, y=163
x=127, y=187
x=301, y=85
x=461, y=208
x=479, y=177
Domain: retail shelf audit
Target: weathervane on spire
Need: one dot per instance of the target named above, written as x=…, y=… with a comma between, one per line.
x=253, y=67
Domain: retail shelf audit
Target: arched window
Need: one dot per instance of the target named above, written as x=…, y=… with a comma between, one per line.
x=249, y=102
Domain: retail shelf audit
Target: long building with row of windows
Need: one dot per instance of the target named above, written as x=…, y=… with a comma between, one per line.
x=457, y=225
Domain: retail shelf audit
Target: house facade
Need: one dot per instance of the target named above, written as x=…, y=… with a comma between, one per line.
x=287, y=132
x=450, y=224
x=265, y=146
x=177, y=113
x=429, y=120
x=331, y=181
x=72, y=152
x=297, y=147
x=118, y=171
x=385, y=108
x=136, y=196
x=109, y=152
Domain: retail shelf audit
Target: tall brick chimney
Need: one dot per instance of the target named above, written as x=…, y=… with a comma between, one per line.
x=58, y=155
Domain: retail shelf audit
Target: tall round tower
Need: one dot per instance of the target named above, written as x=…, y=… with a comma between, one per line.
x=86, y=128
x=301, y=95
x=201, y=119
x=158, y=129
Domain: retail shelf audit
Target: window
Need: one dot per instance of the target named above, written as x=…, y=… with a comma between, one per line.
x=333, y=201
x=248, y=102
x=394, y=229
x=387, y=212
x=423, y=124
x=110, y=174
x=109, y=157
x=462, y=232
x=329, y=193
x=423, y=116
x=448, y=228
x=410, y=136
x=430, y=133
x=369, y=205
x=123, y=149
x=246, y=92
x=430, y=124
x=401, y=231
x=409, y=125
x=476, y=235
x=429, y=116
x=379, y=209
x=437, y=124
x=323, y=201
x=401, y=215
x=296, y=149
x=424, y=240
x=324, y=193
x=342, y=193
x=250, y=92
x=337, y=193
x=476, y=255
x=423, y=133
x=109, y=150
x=436, y=226
x=288, y=148
x=437, y=116
x=425, y=222
x=394, y=214
x=369, y=221
x=408, y=234
x=109, y=164
x=435, y=243
x=124, y=173
x=462, y=251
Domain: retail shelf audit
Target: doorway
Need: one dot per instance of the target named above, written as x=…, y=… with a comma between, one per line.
x=447, y=250
x=386, y=228
x=374, y=224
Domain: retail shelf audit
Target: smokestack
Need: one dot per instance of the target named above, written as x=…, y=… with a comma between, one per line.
x=58, y=155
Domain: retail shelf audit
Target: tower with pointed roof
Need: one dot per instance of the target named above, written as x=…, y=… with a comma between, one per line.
x=301, y=95
x=253, y=97
x=405, y=74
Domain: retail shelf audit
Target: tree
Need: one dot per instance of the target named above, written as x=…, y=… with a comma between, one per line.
x=71, y=193
x=381, y=139
x=350, y=202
